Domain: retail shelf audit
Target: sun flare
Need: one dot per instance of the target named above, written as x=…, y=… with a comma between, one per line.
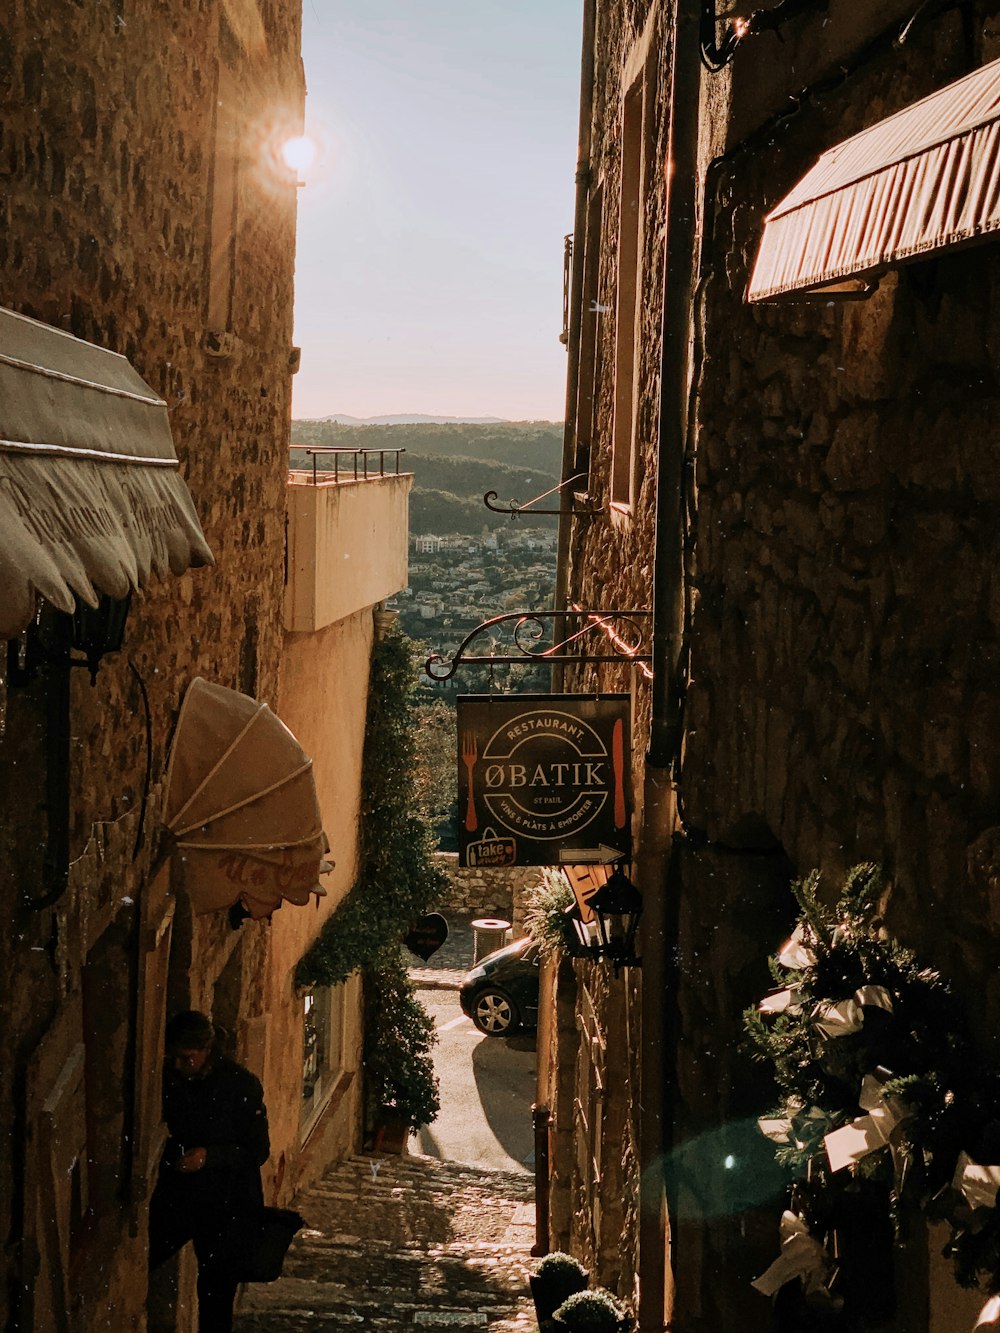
x=299, y=152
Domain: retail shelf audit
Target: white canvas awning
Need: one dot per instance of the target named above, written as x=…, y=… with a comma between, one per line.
x=91, y=499
x=241, y=804
x=926, y=179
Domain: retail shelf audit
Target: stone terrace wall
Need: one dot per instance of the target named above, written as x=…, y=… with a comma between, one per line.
x=478, y=892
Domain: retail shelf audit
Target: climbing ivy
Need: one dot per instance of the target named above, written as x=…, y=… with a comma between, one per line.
x=398, y=879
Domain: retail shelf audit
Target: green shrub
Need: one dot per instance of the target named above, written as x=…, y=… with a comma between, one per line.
x=398, y=881
x=561, y=1264
x=591, y=1310
x=545, y=917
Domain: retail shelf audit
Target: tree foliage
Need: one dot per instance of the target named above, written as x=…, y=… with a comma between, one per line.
x=535, y=444
x=399, y=1036
x=435, y=753
x=454, y=465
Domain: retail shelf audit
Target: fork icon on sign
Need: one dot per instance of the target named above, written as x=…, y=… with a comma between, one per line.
x=469, y=757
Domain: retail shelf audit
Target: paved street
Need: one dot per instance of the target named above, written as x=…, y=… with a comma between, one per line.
x=487, y=1083
x=487, y=1087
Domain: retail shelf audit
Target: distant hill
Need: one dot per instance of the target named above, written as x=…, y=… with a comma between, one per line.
x=448, y=494
x=536, y=444
x=341, y=419
x=455, y=464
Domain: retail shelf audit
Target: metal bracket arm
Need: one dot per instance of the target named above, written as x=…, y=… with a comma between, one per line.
x=621, y=632
x=587, y=505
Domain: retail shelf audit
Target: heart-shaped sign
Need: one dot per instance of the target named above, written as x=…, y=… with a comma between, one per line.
x=427, y=935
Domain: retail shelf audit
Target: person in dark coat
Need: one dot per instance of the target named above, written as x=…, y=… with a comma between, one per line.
x=208, y=1190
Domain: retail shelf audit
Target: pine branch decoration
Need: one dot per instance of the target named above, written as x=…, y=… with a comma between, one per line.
x=853, y=1007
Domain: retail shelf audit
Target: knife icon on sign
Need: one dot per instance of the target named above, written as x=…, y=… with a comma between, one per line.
x=618, y=764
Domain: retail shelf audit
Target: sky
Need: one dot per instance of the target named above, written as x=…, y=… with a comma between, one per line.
x=430, y=231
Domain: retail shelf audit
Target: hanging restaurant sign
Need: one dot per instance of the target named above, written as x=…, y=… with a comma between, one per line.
x=544, y=779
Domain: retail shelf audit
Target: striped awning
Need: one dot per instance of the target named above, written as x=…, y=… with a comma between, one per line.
x=91, y=496
x=242, y=806
x=926, y=179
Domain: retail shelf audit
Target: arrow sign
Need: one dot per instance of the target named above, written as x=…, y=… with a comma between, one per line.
x=587, y=856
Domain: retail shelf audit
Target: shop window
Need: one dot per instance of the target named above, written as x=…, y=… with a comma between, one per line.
x=324, y=1016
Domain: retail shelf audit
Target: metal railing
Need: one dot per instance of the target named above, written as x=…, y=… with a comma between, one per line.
x=366, y=471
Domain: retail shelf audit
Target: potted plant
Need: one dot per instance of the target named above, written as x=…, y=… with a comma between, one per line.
x=595, y=1311
x=401, y=1088
x=558, y=1276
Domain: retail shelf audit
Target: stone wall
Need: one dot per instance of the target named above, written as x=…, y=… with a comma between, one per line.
x=117, y=130
x=845, y=645
x=844, y=702
x=478, y=892
x=843, y=699
x=594, y=1090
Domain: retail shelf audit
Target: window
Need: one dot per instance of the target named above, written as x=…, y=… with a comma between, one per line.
x=590, y=326
x=638, y=147
x=323, y=1048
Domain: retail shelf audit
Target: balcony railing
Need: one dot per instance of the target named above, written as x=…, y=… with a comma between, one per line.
x=351, y=459
x=347, y=530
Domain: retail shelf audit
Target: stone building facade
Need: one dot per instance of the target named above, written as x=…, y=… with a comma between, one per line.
x=828, y=555
x=148, y=212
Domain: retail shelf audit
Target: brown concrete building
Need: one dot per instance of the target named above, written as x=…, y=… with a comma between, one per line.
x=146, y=255
x=801, y=487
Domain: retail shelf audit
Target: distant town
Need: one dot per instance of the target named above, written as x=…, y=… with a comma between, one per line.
x=457, y=582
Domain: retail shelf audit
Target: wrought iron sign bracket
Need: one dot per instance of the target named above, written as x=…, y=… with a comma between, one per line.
x=581, y=504
x=622, y=634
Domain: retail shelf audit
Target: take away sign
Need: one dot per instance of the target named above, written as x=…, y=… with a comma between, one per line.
x=544, y=779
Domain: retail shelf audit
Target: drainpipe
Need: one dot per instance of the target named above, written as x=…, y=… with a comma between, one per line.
x=575, y=315
x=659, y=1029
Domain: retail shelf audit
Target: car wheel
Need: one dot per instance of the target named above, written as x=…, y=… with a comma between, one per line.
x=494, y=1013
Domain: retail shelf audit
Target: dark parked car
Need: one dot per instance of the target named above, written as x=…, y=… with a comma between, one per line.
x=500, y=994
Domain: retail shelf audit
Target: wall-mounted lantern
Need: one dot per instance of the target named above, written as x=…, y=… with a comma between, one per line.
x=616, y=908
x=98, y=630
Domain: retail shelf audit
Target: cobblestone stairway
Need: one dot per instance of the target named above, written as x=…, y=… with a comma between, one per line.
x=401, y=1243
